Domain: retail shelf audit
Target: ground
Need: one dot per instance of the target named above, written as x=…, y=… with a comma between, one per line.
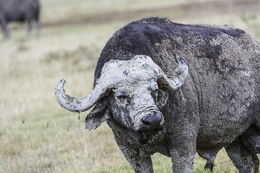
x=36, y=134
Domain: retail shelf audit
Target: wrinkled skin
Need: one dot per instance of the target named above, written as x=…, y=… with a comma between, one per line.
x=130, y=104
x=20, y=11
x=218, y=102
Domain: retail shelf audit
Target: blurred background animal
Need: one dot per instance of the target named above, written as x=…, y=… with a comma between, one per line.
x=36, y=134
x=20, y=11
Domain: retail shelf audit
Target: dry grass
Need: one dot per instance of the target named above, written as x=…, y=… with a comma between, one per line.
x=36, y=134
x=86, y=8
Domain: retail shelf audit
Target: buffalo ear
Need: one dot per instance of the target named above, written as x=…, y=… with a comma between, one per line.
x=98, y=115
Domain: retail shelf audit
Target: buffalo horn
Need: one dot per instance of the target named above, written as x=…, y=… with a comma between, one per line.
x=178, y=78
x=78, y=104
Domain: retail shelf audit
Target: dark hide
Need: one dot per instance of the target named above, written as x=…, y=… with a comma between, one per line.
x=219, y=101
x=19, y=11
x=140, y=37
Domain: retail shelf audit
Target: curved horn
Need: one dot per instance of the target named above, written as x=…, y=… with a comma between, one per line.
x=177, y=79
x=78, y=104
x=108, y=78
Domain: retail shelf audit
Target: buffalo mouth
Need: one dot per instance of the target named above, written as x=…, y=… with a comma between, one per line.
x=145, y=136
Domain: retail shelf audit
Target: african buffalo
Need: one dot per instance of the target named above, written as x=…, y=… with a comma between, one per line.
x=156, y=101
x=20, y=11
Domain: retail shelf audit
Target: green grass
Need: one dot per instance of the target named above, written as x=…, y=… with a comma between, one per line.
x=36, y=134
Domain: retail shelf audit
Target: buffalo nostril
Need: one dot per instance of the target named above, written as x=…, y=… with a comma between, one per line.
x=153, y=121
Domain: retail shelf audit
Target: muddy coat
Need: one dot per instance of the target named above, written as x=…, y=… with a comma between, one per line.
x=218, y=102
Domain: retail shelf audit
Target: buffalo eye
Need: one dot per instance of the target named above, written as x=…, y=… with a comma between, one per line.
x=124, y=99
x=155, y=94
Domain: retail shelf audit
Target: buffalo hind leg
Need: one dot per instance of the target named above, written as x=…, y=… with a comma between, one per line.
x=242, y=158
x=251, y=139
x=257, y=123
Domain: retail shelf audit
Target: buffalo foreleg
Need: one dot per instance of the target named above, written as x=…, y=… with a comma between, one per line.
x=38, y=26
x=182, y=152
x=242, y=158
x=29, y=27
x=4, y=28
x=133, y=152
x=140, y=163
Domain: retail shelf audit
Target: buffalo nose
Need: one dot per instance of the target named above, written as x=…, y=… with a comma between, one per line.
x=154, y=121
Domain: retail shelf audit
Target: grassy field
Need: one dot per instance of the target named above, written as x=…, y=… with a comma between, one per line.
x=36, y=134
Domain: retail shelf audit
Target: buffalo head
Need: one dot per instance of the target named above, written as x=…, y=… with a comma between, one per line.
x=130, y=93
